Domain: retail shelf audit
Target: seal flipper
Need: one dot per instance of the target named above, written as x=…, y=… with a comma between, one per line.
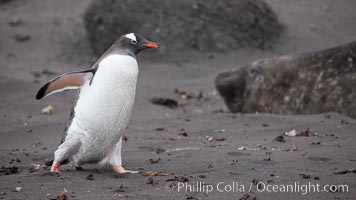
x=71, y=80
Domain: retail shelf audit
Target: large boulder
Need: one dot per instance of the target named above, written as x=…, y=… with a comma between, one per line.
x=323, y=81
x=199, y=25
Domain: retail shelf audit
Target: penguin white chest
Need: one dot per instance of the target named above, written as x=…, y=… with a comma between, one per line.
x=104, y=106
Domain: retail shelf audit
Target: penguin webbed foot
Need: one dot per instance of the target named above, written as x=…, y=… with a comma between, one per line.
x=119, y=169
x=55, y=167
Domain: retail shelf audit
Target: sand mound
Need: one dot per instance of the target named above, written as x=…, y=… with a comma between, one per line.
x=199, y=25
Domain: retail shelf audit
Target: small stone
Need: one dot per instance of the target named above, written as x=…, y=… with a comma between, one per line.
x=15, y=21
x=202, y=176
x=149, y=181
x=210, y=139
x=312, y=27
x=90, y=177
x=242, y=148
x=291, y=133
x=22, y=37
x=18, y=189
x=48, y=110
x=185, y=134
x=120, y=196
x=280, y=138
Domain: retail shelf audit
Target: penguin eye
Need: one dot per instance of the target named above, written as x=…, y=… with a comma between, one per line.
x=133, y=41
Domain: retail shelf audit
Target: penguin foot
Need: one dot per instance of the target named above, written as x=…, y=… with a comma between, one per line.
x=55, y=167
x=119, y=169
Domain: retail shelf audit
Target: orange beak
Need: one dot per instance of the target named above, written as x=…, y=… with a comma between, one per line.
x=151, y=45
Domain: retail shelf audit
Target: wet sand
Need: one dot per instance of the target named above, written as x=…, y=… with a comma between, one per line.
x=198, y=142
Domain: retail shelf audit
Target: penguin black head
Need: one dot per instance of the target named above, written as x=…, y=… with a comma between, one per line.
x=133, y=43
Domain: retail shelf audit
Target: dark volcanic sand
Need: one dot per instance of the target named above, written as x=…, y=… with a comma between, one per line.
x=55, y=28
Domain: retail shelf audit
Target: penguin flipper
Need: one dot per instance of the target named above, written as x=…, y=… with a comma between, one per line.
x=71, y=80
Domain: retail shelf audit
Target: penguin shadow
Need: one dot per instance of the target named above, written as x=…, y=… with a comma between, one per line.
x=89, y=170
x=103, y=172
x=88, y=174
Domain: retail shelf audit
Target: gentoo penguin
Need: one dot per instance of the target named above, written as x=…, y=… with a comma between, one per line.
x=103, y=107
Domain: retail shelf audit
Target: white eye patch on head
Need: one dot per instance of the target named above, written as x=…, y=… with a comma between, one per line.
x=131, y=36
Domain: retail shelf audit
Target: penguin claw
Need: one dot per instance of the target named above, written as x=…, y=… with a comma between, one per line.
x=119, y=169
x=55, y=167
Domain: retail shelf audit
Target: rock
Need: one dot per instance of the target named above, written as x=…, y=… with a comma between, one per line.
x=48, y=110
x=291, y=133
x=90, y=177
x=18, y=189
x=22, y=37
x=322, y=81
x=15, y=21
x=280, y=138
x=170, y=103
x=198, y=25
